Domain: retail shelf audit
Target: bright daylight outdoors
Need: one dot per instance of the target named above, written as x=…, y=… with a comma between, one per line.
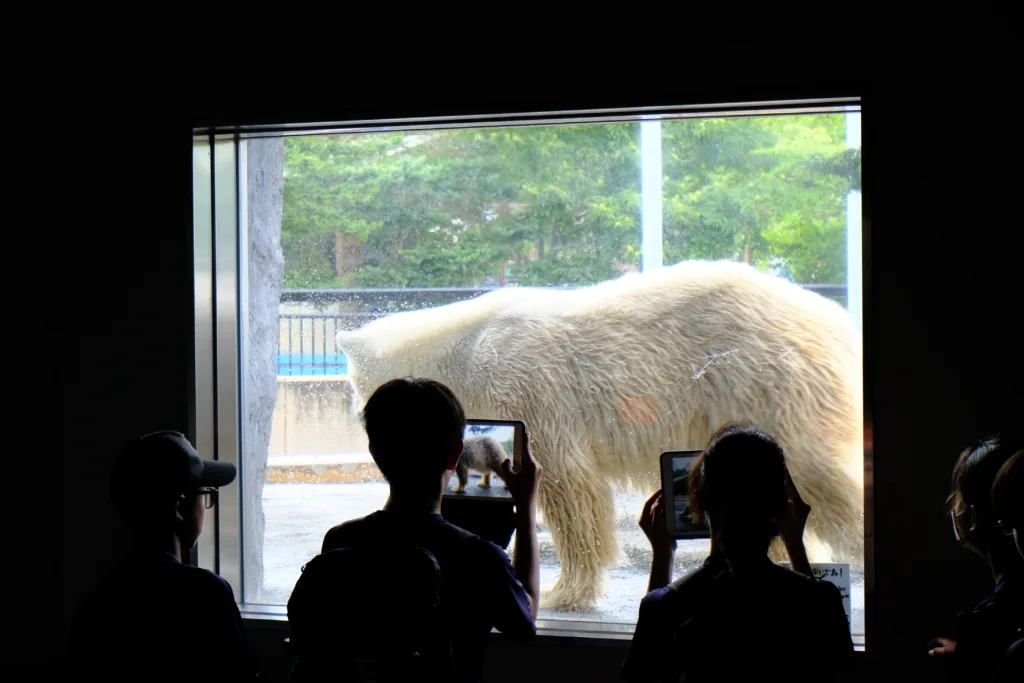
x=624, y=288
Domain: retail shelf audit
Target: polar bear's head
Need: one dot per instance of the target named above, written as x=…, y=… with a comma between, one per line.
x=416, y=343
x=369, y=363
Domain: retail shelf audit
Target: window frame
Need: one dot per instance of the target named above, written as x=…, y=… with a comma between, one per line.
x=221, y=319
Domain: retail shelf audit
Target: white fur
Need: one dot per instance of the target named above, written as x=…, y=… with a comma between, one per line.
x=699, y=344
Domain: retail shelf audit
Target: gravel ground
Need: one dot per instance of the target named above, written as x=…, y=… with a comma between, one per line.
x=298, y=515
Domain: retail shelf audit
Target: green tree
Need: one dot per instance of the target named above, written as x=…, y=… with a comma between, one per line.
x=559, y=205
x=768, y=191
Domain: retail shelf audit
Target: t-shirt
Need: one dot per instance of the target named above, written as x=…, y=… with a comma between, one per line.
x=156, y=619
x=1011, y=669
x=479, y=590
x=711, y=626
x=985, y=633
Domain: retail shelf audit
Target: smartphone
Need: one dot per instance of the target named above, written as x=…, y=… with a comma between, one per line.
x=675, y=485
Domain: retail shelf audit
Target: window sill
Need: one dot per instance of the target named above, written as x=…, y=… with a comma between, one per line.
x=562, y=628
x=258, y=612
x=546, y=628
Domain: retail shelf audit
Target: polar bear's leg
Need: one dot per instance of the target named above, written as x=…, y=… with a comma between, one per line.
x=835, y=529
x=840, y=522
x=817, y=550
x=462, y=473
x=577, y=507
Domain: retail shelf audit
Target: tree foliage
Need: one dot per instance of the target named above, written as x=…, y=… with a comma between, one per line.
x=560, y=205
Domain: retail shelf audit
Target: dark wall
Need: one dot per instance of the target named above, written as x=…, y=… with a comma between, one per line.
x=944, y=348
x=942, y=356
x=127, y=266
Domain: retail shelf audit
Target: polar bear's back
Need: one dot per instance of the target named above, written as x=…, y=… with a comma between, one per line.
x=641, y=364
x=697, y=289
x=655, y=362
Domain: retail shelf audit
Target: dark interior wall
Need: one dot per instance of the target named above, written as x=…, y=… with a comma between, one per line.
x=127, y=255
x=942, y=339
x=945, y=363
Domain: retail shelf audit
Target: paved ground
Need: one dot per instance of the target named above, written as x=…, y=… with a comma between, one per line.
x=299, y=514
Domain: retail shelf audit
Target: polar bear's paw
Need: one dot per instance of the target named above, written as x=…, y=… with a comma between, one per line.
x=569, y=597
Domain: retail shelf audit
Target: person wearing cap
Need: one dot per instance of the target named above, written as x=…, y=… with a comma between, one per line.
x=155, y=617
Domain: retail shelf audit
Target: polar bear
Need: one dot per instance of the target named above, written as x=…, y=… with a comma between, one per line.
x=482, y=454
x=609, y=376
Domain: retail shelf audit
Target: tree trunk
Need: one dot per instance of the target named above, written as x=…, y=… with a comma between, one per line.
x=746, y=243
x=265, y=202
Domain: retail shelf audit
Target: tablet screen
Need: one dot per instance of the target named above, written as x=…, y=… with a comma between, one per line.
x=676, y=466
x=486, y=445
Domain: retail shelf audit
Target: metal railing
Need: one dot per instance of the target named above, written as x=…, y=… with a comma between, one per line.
x=297, y=348
x=306, y=344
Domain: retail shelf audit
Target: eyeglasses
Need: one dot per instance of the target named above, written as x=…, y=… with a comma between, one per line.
x=209, y=496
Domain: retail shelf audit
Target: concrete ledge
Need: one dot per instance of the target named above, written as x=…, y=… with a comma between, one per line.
x=315, y=414
x=321, y=473
x=319, y=459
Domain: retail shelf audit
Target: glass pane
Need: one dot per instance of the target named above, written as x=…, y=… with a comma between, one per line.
x=609, y=358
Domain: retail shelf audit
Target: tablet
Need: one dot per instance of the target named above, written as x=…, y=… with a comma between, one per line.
x=476, y=499
x=675, y=485
x=486, y=445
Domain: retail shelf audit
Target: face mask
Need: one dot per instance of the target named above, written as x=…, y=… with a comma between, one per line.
x=963, y=541
x=1006, y=529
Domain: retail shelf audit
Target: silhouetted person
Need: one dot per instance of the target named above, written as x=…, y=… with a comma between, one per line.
x=1008, y=501
x=155, y=618
x=985, y=633
x=739, y=617
x=415, y=429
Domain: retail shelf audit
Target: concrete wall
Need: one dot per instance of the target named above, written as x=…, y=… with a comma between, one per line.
x=315, y=416
x=265, y=202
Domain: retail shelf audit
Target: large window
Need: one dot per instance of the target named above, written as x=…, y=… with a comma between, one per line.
x=622, y=284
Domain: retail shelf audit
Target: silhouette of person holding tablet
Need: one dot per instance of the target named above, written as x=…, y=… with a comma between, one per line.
x=415, y=429
x=740, y=616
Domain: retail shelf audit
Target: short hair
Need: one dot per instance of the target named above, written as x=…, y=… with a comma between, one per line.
x=413, y=425
x=1008, y=493
x=740, y=480
x=973, y=476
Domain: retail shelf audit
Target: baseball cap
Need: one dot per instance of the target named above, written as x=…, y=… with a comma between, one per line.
x=159, y=466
